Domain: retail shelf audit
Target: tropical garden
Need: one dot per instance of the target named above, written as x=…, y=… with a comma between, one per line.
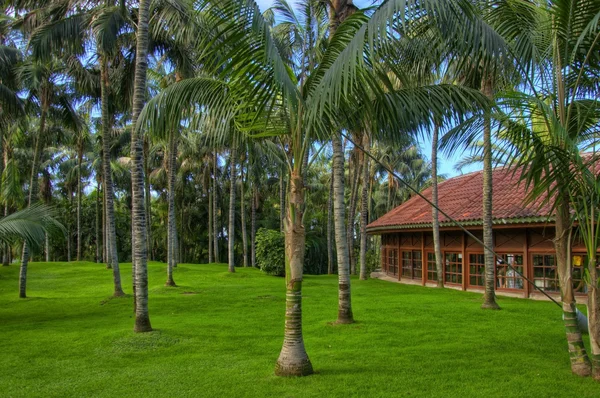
x=155, y=153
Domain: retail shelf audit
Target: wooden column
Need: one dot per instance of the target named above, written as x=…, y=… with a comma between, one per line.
x=399, y=257
x=464, y=262
x=527, y=268
x=423, y=260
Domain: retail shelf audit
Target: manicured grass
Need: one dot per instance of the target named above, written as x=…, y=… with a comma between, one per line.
x=219, y=334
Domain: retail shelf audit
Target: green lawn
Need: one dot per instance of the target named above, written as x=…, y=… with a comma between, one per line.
x=219, y=334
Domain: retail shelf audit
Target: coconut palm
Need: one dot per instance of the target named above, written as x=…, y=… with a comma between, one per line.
x=259, y=91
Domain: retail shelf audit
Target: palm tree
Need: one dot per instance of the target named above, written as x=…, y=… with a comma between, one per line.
x=556, y=46
x=258, y=91
x=139, y=253
x=40, y=78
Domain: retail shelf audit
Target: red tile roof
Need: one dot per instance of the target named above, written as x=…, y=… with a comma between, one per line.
x=462, y=199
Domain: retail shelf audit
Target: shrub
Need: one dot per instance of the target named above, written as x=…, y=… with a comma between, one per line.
x=270, y=251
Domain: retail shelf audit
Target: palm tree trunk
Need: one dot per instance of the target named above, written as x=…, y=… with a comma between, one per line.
x=33, y=194
x=352, y=212
x=47, y=247
x=215, y=211
x=344, y=297
x=489, y=297
x=282, y=199
x=171, y=216
x=253, y=224
x=79, y=193
x=69, y=231
x=111, y=234
x=439, y=266
x=243, y=218
x=98, y=222
x=364, y=218
x=142, y=317
x=211, y=256
x=389, y=197
x=148, y=199
x=231, y=229
x=106, y=246
x=293, y=359
x=580, y=363
x=330, y=228
x=7, y=249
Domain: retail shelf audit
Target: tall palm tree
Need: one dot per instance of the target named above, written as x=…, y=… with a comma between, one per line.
x=258, y=90
x=41, y=79
x=139, y=248
x=339, y=10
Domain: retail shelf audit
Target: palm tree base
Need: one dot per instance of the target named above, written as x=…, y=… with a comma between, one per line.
x=119, y=293
x=345, y=320
x=108, y=266
x=289, y=368
x=142, y=325
x=490, y=306
x=170, y=283
x=584, y=369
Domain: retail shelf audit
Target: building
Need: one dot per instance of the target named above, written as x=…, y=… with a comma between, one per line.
x=523, y=238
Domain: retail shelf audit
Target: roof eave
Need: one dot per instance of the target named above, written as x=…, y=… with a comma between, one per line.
x=469, y=223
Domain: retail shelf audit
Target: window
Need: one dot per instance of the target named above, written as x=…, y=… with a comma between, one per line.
x=453, y=268
x=412, y=264
x=392, y=261
x=431, y=267
x=476, y=269
x=508, y=268
x=544, y=272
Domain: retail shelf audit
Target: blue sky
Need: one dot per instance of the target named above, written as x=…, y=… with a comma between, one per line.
x=446, y=163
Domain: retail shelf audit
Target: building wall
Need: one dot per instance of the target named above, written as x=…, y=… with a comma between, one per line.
x=409, y=257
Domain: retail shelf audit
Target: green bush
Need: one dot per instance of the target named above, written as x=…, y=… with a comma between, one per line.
x=270, y=251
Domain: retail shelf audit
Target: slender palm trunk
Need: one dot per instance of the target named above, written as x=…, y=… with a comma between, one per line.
x=253, y=224
x=69, y=230
x=489, y=297
x=282, y=199
x=434, y=211
x=106, y=246
x=211, y=256
x=293, y=359
x=148, y=199
x=352, y=212
x=231, y=229
x=389, y=196
x=171, y=216
x=330, y=229
x=364, y=218
x=215, y=211
x=111, y=234
x=243, y=218
x=98, y=222
x=142, y=317
x=594, y=310
x=79, y=193
x=344, y=297
x=580, y=363
x=6, y=253
x=33, y=194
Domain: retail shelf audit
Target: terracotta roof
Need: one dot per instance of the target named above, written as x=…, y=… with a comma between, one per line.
x=462, y=199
